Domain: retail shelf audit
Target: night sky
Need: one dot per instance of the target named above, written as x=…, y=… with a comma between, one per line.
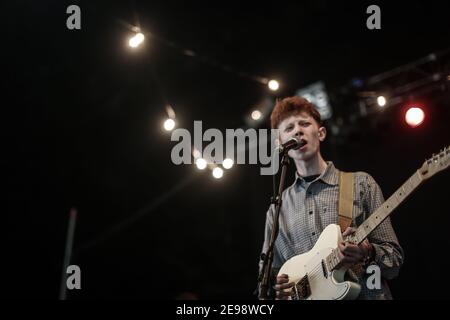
x=83, y=129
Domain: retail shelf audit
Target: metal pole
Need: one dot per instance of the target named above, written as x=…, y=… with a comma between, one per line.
x=68, y=252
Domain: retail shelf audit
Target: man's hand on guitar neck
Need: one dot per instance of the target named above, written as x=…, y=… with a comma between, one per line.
x=351, y=254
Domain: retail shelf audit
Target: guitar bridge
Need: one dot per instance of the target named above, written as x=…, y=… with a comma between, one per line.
x=302, y=290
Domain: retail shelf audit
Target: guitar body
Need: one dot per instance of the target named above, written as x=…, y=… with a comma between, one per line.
x=323, y=285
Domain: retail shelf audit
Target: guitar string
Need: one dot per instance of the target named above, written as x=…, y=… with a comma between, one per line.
x=313, y=274
x=315, y=271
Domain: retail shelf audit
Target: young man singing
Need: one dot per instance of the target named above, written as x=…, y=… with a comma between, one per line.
x=311, y=203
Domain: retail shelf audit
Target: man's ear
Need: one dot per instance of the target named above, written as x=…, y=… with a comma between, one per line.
x=322, y=133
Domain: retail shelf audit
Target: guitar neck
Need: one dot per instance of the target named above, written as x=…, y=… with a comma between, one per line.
x=430, y=167
x=377, y=217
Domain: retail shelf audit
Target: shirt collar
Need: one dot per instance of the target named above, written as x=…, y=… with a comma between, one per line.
x=329, y=176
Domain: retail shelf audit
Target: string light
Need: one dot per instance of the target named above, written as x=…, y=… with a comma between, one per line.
x=273, y=85
x=136, y=40
x=169, y=124
x=381, y=101
x=217, y=173
x=227, y=163
x=196, y=153
x=256, y=115
x=201, y=163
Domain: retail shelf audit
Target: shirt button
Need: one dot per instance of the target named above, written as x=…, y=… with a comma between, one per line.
x=313, y=233
x=310, y=212
x=309, y=192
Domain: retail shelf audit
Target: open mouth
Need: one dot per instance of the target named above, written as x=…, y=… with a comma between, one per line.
x=302, y=145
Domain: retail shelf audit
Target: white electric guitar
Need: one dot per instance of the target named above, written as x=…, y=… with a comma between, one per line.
x=318, y=274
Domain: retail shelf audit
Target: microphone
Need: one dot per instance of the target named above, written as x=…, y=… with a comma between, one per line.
x=292, y=143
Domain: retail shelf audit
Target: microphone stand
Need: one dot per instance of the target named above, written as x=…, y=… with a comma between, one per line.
x=264, y=279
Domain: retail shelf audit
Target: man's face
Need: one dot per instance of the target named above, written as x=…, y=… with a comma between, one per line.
x=302, y=127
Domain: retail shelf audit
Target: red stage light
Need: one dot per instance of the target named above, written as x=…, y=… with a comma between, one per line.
x=414, y=116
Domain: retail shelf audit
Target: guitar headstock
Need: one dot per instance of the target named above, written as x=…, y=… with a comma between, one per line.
x=438, y=162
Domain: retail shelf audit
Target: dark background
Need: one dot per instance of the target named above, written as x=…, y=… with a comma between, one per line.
x=83, y=128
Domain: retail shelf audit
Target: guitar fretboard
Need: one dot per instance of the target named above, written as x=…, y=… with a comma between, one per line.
x=386, y=208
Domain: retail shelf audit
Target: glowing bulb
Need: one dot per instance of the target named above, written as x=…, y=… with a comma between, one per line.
x=227, y=163
x=217, y=173
x=132, y=43
x=414, y=116
x=139, y=37
x=136, y=40
x=196, y=153
x=201, y=163
x=381, y=101
x=169, y=124
x=256, y=115
x=273, y=85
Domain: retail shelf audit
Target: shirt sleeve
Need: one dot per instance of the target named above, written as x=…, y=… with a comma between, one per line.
x=389, y=254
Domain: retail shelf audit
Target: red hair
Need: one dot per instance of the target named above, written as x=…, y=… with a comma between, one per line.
x=293, y=106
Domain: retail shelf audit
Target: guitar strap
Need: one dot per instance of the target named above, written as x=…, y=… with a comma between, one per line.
x=346, y=186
